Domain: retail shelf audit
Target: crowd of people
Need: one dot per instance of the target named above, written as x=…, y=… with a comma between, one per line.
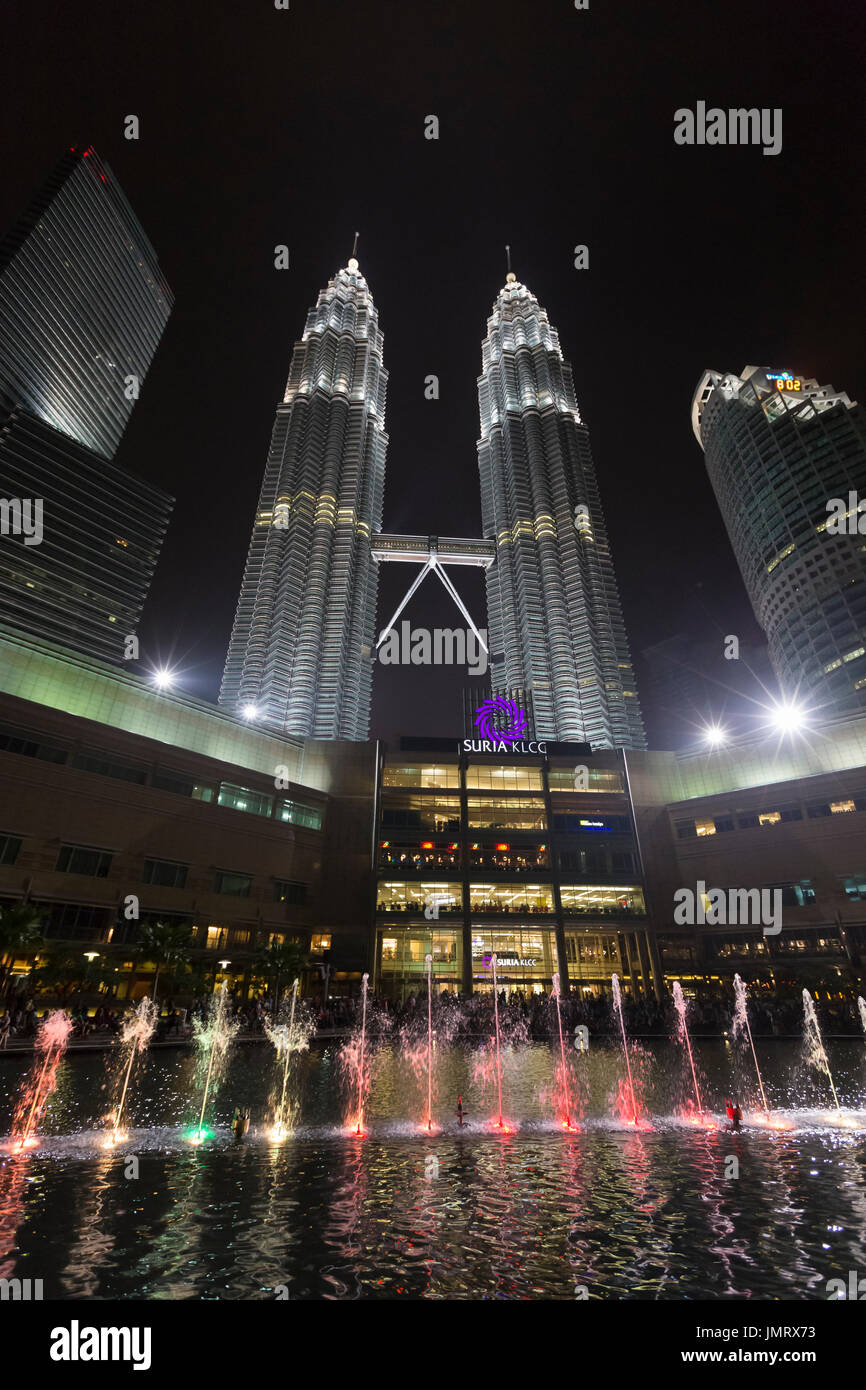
x=460, y=1016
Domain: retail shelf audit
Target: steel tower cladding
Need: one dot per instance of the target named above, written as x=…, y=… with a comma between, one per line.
x=83, y=304
x=554, y=614
x=778, y=448
x=301, y=647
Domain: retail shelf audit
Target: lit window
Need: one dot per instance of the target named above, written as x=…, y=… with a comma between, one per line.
x=839, y=806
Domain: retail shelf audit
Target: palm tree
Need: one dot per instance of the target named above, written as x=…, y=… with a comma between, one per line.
x=167, y=944
x=20, y=930
x=280, y=960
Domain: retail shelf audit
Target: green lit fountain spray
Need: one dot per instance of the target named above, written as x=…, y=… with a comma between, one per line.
x=214, y=1040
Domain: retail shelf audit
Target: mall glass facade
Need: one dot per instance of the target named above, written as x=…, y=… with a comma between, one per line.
x=532, y=857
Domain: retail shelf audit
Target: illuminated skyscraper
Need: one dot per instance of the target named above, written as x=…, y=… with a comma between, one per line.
x=778, y=448
x=554, y=616
x=300, y=657
x=83, y=304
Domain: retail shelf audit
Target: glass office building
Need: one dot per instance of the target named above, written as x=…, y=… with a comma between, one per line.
x=83, y=304
x=778, y=449
x=84, y=585
x=300, y=657
x=554, y=615
x=533, y=857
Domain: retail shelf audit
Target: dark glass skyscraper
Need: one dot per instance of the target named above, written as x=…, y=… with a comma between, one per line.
x=83, y=304
x=300, y=657
x=778, y=448
x=554, y=615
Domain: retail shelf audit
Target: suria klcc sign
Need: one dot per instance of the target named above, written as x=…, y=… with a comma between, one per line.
x=506, y=734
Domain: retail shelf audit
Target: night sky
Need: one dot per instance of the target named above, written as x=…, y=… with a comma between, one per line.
x=260, y=126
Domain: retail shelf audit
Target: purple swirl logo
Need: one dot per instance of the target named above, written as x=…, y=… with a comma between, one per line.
x=506, y=713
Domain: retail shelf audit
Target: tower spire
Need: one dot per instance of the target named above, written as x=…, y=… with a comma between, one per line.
x=354, y=254
x=510, y=277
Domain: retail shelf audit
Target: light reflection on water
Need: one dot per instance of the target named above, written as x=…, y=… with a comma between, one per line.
x=536, y=1214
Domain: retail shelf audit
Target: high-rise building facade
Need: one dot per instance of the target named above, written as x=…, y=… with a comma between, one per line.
x=300, y=657
x=779, y=450
x=83, y=304
x=554, y=615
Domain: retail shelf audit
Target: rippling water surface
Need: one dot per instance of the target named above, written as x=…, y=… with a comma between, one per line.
x=469, y=1213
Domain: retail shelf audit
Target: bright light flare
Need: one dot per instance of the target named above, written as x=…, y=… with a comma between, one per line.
x=163, y=678
x=788, y=717
x=715, y=736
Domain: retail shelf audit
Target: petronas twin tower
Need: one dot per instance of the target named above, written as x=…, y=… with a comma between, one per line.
x=301, y=655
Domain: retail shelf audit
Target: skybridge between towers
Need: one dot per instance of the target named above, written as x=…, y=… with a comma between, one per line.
x=433, y=553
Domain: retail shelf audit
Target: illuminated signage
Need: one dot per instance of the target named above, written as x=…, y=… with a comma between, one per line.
x=593, y=824
x=489, y=745
x=785, y=382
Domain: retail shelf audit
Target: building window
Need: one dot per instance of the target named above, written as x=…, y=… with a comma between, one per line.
x=181, y=785
x=506, y=813
x=30, y=746
x=507, y=898
x=297, y=813
x=438, y=815
x=287, y=891
x=855, y=887
x=723, y=823
x=769, y=818
x=796, y=894
x=838, y=807
x=599, y=780
x=80, y=859
x=584, y=900
x=705, y=827
x=106, y=766
x=245, y=799
x=817, y=812
x=233, y=885
x=320, y=942
x=9, y=847
x=442, y=898
x=686, y=830
x=517, y=777
x=164, y=873
x=430, y=775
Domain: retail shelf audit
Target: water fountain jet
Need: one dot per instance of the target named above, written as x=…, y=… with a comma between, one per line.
x=136, y=1033
x=617, y=1005
x=682, y=1027
x=741, y=1024
x=565, y=1099
x=214, y=1040
x=817, y=1053
x=51, y=1042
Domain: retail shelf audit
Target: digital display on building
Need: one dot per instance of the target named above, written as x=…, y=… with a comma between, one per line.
x=785, y=382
